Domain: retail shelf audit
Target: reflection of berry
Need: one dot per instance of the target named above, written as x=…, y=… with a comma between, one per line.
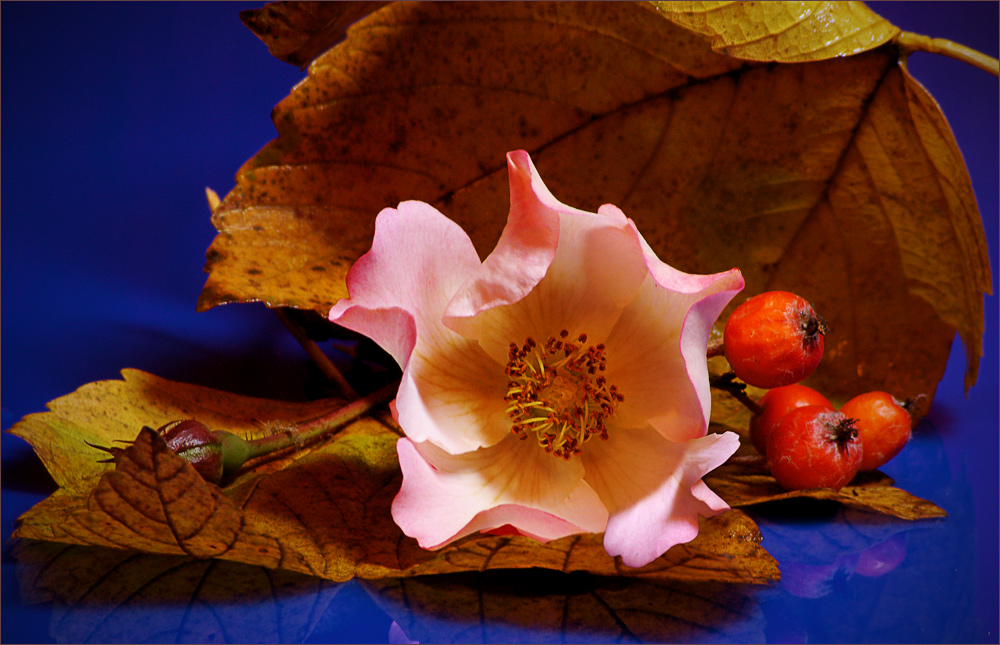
x=883, y=426
x=814, y=447
x=776, y=404
x=774, y=339
x=882, y=558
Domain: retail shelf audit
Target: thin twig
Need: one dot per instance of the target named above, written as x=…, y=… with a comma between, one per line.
x=753, y=461
x=909, y=43
x=317, y=355
x=716, y=347
x=727, y=383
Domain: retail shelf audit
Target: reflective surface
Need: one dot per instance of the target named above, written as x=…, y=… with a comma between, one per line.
x=114, y=119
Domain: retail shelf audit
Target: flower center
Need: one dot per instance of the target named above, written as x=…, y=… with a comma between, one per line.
x=557, y=393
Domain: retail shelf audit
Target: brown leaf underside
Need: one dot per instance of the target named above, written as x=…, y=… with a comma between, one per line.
x=809, y=177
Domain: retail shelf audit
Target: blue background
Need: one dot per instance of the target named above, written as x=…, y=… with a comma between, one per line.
x=115, y=117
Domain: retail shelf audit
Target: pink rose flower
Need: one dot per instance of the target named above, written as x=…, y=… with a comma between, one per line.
x=558, y=387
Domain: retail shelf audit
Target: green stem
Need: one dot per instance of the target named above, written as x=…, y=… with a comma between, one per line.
x=322, y=426
x=909, y=43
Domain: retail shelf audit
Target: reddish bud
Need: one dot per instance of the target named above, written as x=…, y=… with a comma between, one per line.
x=198, y=445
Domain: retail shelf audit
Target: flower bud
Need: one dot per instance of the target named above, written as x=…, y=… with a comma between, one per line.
x=192, y=441
x=212, y=453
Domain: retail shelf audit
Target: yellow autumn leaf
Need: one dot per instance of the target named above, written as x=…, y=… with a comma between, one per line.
x=323, y=511
x=786, y=32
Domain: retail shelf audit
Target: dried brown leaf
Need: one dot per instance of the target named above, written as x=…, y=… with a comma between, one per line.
x=325, y=513
x=155, y=502
x=809, y=177
x=743, y=486
x=297, y=32
x=727, y=549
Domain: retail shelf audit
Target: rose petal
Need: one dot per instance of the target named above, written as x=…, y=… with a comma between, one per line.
x=577, y=272
x=452, y=395
x=653, y=490
x=418, y=260
x=525, y=249
x=656, y=352
x=452, y=392
x=445, y=497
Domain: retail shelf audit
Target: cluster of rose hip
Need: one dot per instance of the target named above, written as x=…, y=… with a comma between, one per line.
x=773, y=341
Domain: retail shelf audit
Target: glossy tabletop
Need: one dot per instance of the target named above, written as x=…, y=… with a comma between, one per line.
x=115, y=118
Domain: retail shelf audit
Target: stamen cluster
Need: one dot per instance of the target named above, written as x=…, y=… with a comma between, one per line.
x=556, y=392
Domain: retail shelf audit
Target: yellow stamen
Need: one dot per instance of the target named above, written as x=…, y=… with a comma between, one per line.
x=557, y=395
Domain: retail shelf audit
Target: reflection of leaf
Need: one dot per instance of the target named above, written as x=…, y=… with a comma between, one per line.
x=527, y=606
x=111, y=595
x=743, y=486
x=810, y=177
x=326, y=513
x=787, y=32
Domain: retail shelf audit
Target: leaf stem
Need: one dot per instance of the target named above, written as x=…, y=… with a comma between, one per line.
x=320, y=427
x=727, y=383
x=910, y=42
x=317, y=355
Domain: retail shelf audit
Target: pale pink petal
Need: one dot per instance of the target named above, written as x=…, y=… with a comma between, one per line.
x=445, y=497
x=418, y=259
x=452, y=392
x=652, y=488
x=577, y=273
x=526, y=246
x=656, y=351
